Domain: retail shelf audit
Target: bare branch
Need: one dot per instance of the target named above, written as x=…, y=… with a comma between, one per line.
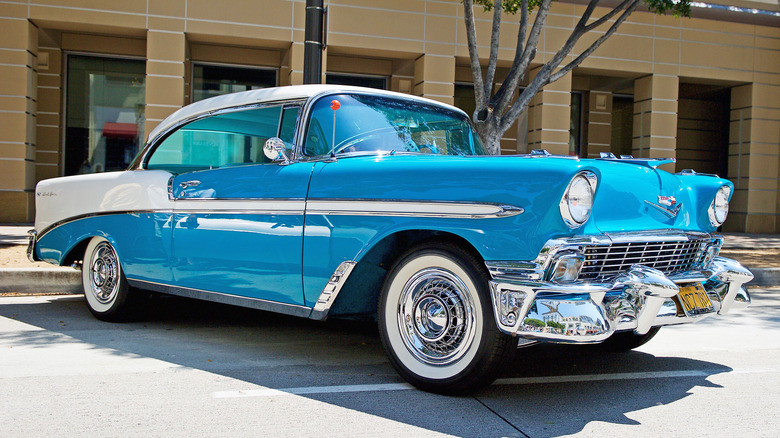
x=586, y=15
x=476, y=69
x=577, y=61
x=545, y=74
x=607, y=16
x=493, y=59
x=504, y=96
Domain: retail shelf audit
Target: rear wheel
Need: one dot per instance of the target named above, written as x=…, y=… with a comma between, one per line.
x=108, y=295
x=626, y=341
x=436, y=321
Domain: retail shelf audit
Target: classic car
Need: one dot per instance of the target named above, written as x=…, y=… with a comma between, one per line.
x=329, y=201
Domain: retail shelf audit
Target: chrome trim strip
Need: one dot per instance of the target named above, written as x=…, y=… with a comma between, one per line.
x=297, y=206
x=89, y=215
x=410, y=208
x=217, y=297
x=32, y=239
x=331, y=290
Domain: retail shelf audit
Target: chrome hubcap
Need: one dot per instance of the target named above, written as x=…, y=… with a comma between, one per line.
x=436, y=316
x=104, y=273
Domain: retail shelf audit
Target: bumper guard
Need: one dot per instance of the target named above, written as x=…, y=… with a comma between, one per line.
x=637, y=300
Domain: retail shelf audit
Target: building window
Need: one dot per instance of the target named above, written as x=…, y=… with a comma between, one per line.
x=622, y=124
x=575, y=126
x=209, y=80
x=104, y=113
x=379, y=82
x=464, y=98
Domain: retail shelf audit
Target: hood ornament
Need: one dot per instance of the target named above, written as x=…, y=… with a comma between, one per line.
x=664, y=202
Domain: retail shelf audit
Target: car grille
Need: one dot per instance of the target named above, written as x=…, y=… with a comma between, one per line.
x=603, y=261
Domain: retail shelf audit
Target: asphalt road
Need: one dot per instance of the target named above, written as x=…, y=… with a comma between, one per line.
x=195, y=369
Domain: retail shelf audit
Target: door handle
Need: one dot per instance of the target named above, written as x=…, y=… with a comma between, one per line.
x=187, y=184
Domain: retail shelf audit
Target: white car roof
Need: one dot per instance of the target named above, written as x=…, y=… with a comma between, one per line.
x=269, y=95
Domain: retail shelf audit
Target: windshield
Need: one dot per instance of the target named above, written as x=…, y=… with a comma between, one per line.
x=376, y=124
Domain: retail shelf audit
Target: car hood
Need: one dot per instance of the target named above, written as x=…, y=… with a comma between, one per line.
x=630, y=196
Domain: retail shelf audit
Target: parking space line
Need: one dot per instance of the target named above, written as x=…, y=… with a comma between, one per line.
x=269, y=392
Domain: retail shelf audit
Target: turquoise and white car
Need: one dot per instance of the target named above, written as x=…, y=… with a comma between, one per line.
x=321, y=201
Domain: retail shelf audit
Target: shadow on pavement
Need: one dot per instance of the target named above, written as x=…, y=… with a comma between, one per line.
x=280, y=352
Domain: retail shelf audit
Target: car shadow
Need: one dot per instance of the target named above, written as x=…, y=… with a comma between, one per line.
x=281, y=352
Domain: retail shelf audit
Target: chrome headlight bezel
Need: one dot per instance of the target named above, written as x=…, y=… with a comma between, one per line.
x=584, y=189
x=719, y=207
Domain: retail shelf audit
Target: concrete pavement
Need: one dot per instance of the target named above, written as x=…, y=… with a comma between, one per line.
x=192, y=369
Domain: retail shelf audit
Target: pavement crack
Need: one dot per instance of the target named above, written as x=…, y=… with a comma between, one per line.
x=500, y=416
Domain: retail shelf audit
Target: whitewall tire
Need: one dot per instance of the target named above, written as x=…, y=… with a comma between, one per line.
x=436, y=320
x=105, y=286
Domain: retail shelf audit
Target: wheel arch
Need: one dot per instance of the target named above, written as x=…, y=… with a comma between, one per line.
x=76, y=252
x=360, y=293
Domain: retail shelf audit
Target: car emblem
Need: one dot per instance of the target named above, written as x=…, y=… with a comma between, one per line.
x=664, y=202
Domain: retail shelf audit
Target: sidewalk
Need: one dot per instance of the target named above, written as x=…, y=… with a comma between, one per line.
x=758, y=252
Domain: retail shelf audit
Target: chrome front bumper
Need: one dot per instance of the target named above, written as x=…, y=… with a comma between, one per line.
x=637, y=300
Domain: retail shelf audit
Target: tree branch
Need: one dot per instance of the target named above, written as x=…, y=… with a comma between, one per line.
x=493, y=59
x=476, y=68
x=607, y=16
x=578, y=60
x=546, y=75
x=522, y=59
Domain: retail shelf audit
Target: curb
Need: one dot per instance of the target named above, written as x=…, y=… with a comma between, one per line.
x=40, y=280
x=765, y=277
x=68, y=280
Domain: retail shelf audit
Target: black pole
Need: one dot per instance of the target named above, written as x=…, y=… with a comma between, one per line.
x=312, y=55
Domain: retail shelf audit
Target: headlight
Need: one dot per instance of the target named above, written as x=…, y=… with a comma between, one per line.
x=577, y=201
x=719, y=208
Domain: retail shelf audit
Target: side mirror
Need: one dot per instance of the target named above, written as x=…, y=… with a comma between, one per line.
x=274, y=150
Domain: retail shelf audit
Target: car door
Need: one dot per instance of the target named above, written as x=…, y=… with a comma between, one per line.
x=237, y=218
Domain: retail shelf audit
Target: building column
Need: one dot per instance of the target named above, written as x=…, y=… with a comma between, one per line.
x=165, y=57
x=434, y=77
x=549, y=117
x=18, y=100
x=754, y=155
x=599, y=123
x=291, y=72
x=48, y=137
x=655, y=117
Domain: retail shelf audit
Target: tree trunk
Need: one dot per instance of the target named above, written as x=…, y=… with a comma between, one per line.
x=490, y=134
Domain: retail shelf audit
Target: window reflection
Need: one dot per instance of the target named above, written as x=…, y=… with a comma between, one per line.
x=104, y=113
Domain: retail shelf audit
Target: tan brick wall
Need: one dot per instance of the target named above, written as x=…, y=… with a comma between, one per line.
x=420, y=46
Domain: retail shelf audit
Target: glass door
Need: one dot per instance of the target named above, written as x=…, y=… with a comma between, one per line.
x=104, y=114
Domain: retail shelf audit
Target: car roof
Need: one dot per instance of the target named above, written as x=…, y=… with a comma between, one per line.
x=292, y=92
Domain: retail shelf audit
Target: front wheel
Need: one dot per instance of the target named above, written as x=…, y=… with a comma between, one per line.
x=108, y=295
x=436, y=321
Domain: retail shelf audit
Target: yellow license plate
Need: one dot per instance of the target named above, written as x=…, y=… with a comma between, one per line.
x=694, y=300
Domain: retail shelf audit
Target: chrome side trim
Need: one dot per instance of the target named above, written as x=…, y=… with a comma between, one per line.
x=515, y=270
x=331, y=291
x=89, y=215
x=297, y=206
x=32, y=239
x=217, y=297
x=410, y=208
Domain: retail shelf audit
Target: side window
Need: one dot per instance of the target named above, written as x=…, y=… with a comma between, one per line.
x=287, y=127
x=227, y=139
